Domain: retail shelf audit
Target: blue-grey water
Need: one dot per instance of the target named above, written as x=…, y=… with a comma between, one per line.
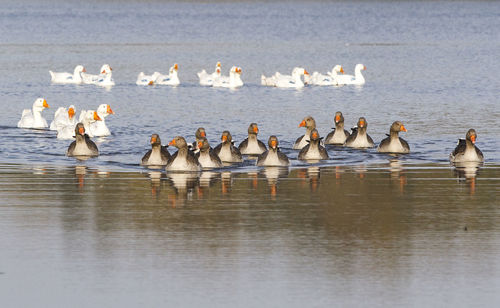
x=360, y=229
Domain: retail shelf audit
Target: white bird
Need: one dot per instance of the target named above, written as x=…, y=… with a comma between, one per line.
x=146, y=80
x=32, y=118
x=99, y=128
x=330, y=79
x=104, y=78
x=208, y=79
x=357, y=79
x=87, y=117
x=63, y=77
x=171, y=79
x=63, y=117
x=293, y=81
x=231, y=81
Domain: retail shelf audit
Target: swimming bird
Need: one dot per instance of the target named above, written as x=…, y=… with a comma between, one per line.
x=309, y=123
x=393, y=143
x=330, y=79
x=63, y=117
x=466, y=150
x=171, y=79
x=208, y=79
x=252, y=145
x=147, y=80
x=32, y=118
x=231, y=81
x=183, y=159
x=82, y=146
x=339, y=135
x=359, y=138
x=206, y=155
x=226, y=151
x=314, y=150
x=158, y=155
x=291, y=81
x=99, y=128
x=357, y=79
x=104, y=78
x=273, y=156
x=64, y=78
x=87, y=117
x=199, y=135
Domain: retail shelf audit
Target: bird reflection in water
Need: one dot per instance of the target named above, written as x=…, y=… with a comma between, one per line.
x=272, y=175
x=184, y=184
x=467, y=171
x=39, y=170
x=80, y=172
x=254, y=180
x=155, y=177
x=361, y=171
x=206, y=180
x=311, y=175
x=227, y=180
x=397, y=173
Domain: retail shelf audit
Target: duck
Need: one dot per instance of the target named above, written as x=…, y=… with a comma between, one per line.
x=273, y=156
x=99, y=128
x=252, y=145
x=32, y=118
x=103, y=78
x=357, y=79
x=199, y=135
x=171, y=79
x=206, y=155
x=158, y=155
x=339, y=135
x=314, y=150
x=359, y=138
x=393, y=143
x=87, y=117
x=63, y=117
x=309, y=123
x=183, y=159
x=226, y=151
x=466, y=150
x=330, y=79
x=291, y=81
x=231, y=81
x=65, y=78
x=147, y=80
x=208, y=79
x=82, y=146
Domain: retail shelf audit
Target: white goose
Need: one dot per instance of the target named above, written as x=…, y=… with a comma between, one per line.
x=63, y=77
x=208, y=79
x=146, y=80
x=293, y=81
x=63, y=117
x=87, y=117
x=104, y=78
x=32, y=118
x=99, y=128
x=231, y=81
x=357, y=79
x=171, y=79
x=330, y=79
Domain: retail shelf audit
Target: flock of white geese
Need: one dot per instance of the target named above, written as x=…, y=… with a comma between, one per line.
x=297, y=79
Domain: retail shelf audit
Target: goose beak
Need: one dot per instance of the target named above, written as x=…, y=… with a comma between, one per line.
x=96, y=116
x=273, y=144
x=302, y=124
x=81, y=130
x=151, y=83
x=45, y=104
x=337, y=119
x=176, y=67
x=84, y=70
x=224, y=138
x=305, y=72
x=361, y=123
x=200, y=144
x=202, y=134
x=341, y=69
x=315, y=135
x=403, y=128
x=71, y=113
x=103, y=72
x=218, y=64
x=473, y=139
x=364, y=67
x=255, y=129
x=153, y=140
x=109, y=110
x=172, y=142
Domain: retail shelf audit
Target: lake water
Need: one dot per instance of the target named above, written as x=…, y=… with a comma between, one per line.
x=360, y=229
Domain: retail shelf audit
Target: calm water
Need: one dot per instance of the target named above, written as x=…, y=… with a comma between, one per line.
x=359, y=229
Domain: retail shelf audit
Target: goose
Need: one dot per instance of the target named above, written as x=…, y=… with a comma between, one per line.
x=171, y=79
x=63, y=117
x=393, y=143
x=103, y=77
x=357, y=79
x=273, y=156
x=32, y=118
x=147, y=80
x=206, y=155
x=82, y=146
x=158, y=155
x=65, y=78
x=87, y=117
x=309, y=123
x=183, y=159
x=99, y=128
x=339, y=135
x=466, y=150
x=226, y=151
x=330, y=79
x=208, y=79
x=252, y=145
x=231, y=81
x=359, y=138
x=199, y=135
x=291, y=81
x=314, y=150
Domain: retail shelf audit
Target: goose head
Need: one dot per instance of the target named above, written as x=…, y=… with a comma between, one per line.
x=106, y=69
x=203, y=144
x=308, y=122
x=79, y=129
x=397, y=127
x=338, y=68
x=226, y=137
x=71, y=112
x=339, y=118
x=178, y=142
x=155, y=140
x=253, y=129
x=40, y=104
x=79, y=69
x=104, y=110
x=200, y=133
x=359, y=67
x=273, y=142
x=471, y=135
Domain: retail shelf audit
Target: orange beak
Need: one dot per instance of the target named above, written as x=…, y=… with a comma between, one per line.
x=103, y=72
x=81, y=130
x=151, y=83
x=176, y=67
x=473, y=139
x=341, y=69
x=71, y=113
x=364, y=67
x=274, y=143
x=218, y=64
x=337, y=119
x=153, y=140
x=96, y=116
x=172, y=142
x=203, y=134
x=361, y=123
x=255, y=129
x=109, y=111
x=315, y=135
x=403, y=128
x=45, y=104
x=84, y=70
x=305, y=72
x=218, y=70
x=224, y=138
x=302, y=124
x=200, y=144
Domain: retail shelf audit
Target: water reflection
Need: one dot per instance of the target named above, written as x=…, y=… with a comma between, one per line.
x=272, y=175
x=397, y=174
x=467, y=171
